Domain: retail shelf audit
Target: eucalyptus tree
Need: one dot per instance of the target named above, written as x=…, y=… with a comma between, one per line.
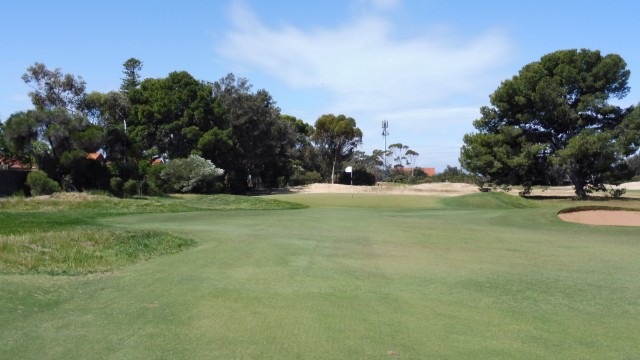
x=53, y=89
x=336, y=138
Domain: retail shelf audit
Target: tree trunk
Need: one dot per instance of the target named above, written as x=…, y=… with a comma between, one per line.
x=333, y=170
x=579, y=186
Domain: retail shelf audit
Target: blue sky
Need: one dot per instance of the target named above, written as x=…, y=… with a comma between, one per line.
x=426, y=66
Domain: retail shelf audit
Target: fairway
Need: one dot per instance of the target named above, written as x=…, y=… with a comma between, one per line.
x=349, y=277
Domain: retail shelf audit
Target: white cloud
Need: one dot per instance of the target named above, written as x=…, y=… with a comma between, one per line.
x=371, y=75
x=361, y=65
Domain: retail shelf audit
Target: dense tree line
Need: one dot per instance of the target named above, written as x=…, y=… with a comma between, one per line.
x=549, y=124
x=149, y=123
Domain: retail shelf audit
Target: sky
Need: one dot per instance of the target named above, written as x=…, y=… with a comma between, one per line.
x=425, y=66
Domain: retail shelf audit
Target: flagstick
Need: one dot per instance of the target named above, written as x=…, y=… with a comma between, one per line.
x=352, y=185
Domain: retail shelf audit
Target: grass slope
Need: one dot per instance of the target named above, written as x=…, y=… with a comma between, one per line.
x=346, y=278
x=60, y=235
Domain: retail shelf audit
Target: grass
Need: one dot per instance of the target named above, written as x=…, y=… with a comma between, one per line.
x=362, y=277
x=60, y=235
x=85, y=251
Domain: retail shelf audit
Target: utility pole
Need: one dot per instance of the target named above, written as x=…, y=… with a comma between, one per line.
x=385, y=133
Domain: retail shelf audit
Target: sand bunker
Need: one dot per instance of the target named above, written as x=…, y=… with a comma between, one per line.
x=603, y=217
x=440, y=189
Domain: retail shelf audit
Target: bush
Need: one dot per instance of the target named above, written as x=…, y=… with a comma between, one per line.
x=130, y=188
x=193, y=174
x=360, y=177
x=115, y=185
x=40, y=184
x=455, y=175
x=303, y=177
x=617, y=192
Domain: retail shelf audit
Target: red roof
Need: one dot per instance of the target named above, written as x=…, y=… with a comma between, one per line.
x=8, y=164
x=95, y=156
x=427, y=171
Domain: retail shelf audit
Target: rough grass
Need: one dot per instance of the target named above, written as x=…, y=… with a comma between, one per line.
x=59, y=234
x=99, y=205
x=79, y=252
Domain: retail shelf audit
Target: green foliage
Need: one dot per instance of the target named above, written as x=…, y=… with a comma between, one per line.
x=53, y=89
x=361, y=177
x=8, y=153
x=116, y=186
x=336, y=138
x=56, y=139
x=553, y=121
x=193, y=174
x=262, y=140
x=169, y=114
x=130, y=188
x=633, y=163
x=131, y=80
x=40, y=184
x=303, y=177
x=454, y=175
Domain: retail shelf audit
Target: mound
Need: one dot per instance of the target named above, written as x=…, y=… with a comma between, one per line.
x=489, y=200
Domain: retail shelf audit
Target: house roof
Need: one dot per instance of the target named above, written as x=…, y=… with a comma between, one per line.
x=95, y=156
x=9, y=164
x=427, y=171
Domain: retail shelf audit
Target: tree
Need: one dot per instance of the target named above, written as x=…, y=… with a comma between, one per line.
x=412, y=158
x=553, y=121
x=169, y=115
x=131, y=80
x=53, y=89
x=336, y=138
x=370, y=163
x=8, y=154
x=40, y=184
x=398, y=153
x=261, y=139
x=49, y=136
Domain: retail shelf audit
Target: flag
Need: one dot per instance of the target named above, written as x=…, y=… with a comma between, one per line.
x=348, y=169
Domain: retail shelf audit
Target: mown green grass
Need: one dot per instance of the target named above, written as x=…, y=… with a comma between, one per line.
x=480, y=276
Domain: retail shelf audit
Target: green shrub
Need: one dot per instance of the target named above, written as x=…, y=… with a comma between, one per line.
x=153, y=183
x=360, y=177
x=130, y=188
x=193, y=174
x=40, y=184
x=115, y=185
x=617, y=192
x=303, y=177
